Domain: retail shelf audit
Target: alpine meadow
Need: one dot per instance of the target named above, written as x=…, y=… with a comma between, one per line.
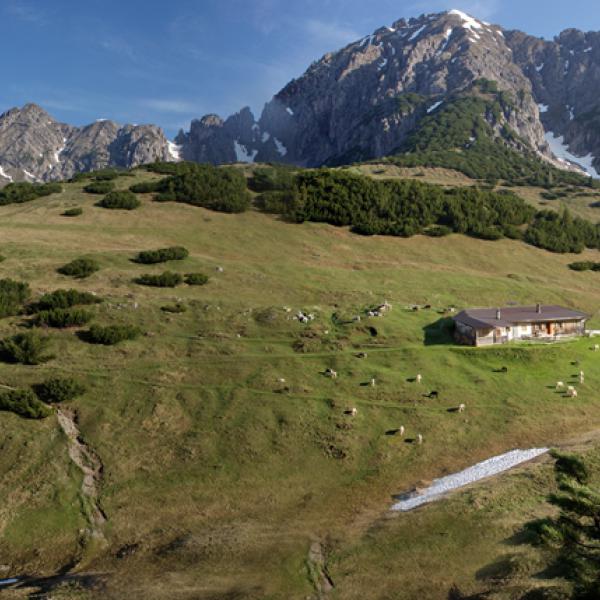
x=346, y=349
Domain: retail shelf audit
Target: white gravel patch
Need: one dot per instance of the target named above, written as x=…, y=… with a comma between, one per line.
x=488, y=468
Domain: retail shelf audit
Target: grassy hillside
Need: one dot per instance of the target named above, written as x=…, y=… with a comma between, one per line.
x=218, y=476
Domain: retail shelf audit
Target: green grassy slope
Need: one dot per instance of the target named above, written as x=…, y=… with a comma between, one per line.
x=221, y=476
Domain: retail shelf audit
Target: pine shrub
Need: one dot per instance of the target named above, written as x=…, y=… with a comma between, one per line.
x=62, y=318
x=25, y=348
x=63, y=299
x=99, y=187
x=111, y=334
x=25, y=403
x=166, y=279
x=123, y=199
x=73, y=212
x=79, y=268
x=13, y=294
x=150, y=257
x=58, y=389
x=196, y=278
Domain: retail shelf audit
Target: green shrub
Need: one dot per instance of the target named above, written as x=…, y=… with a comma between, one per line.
x=63, y=317
x=166, y=279
x=174, y=308
x=99, y=187
x=587, y=265
x=13, y=294
x=25, y=348
x=79, y=268
x=17, y=193
x=150, y=257
x=73, y=212
x=58, y=389
x=275, y=178
x=78, y=177
x=222, y=189
x=105, y=174
x=23, y=403
x=438, y=231
x=111, y=334
x=196, y=278
x=63, y=299
x=123, y=199
x=145, y=187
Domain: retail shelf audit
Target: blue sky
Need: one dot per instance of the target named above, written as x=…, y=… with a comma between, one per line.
x=166, y=62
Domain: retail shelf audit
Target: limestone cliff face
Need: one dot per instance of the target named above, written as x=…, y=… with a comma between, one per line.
x=363, y=101
x=35, y=147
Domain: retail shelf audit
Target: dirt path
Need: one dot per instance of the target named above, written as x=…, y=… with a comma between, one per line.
x=91, y=467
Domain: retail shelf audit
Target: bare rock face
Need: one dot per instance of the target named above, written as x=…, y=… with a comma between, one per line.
x=364, y=100
x=35, y=147
x=565, y=76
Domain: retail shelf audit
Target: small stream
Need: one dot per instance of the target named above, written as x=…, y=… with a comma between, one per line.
x=487, y=468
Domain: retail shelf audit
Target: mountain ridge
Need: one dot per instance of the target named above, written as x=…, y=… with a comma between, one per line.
x=361, y=102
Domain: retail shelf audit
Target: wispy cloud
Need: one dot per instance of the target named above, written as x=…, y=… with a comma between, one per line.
x=170, y=105
x=19, y=9
x=118, y=46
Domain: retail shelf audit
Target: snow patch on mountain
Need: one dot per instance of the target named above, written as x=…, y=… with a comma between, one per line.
x=242, y=154
x=174, y=150
x=561, y=150
x=4, y=174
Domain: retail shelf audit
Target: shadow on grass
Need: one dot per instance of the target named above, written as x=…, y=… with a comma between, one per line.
x=439, y=333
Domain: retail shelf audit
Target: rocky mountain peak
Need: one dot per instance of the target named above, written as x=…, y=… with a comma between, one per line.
x=36, y=147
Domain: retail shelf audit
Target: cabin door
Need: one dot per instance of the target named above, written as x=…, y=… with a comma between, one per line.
x=550, y=328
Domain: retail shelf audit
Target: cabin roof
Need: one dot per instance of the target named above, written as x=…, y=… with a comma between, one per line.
x=486, y=318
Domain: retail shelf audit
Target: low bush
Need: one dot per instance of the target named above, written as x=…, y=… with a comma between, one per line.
x=99, y=187
x=586, y=265
x=150, y=257
x=13, y=294
x=196, y=278
x=73, y=212
x=25, y=348
x=438, y=231
x=79, y=268
x=16, y=193
x=63, y=299
x=145, y=187
x=58, y=389
x=111, y=334
x=63, y=317
x=24, y=403
x=166, y=279
x=106, y=174
x=222, y=189
x=174, y=308
x=124, y=200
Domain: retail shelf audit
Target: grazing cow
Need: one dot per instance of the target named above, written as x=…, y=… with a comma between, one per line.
x=331, y=373
x=419, y=439
x=461, y=408
x=596, y=347
x=419, y=378
x=401, y=430
x=373, y=382
x=572, y=393
x=434, y=394
x=581, y=376
x=353, y=412
x=361, y=355
x=281, y=380
x=559, y=385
